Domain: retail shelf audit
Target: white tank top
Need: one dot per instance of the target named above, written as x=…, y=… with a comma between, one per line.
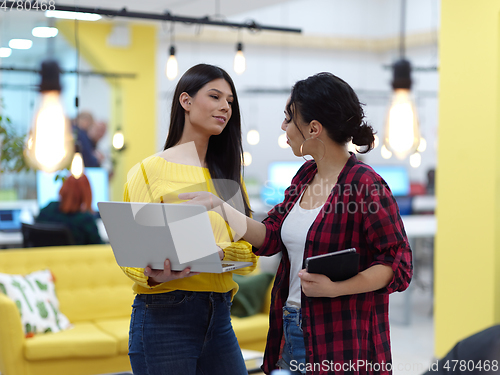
x=293, y=235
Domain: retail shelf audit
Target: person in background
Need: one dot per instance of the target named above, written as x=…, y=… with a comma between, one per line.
x=181, y=322
x=101, y=150
x=81, y=126
x=74, y=209
x=334, y=202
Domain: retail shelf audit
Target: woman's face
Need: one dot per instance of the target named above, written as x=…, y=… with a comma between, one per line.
x=210, y=109
x=293, y=135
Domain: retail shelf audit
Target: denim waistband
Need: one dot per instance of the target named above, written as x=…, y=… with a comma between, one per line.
x=292, y=313
x=149, y=298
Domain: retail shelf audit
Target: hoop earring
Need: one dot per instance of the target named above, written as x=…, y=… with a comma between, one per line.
x=302, y=145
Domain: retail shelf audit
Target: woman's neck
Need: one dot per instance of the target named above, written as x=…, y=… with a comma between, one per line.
x=331, y=164
x=198, y=149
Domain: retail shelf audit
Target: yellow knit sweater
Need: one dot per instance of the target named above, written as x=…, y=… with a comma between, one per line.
x=156, y=180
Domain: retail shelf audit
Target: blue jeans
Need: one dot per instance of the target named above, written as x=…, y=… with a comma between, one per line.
x=184, y=332
x=293, y=356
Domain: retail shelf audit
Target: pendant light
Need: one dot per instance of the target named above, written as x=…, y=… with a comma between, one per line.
x=402, y=133
x=77, y=165
x=118, y=140
x=239, y=64
x=253, y=137
x=49, y=146
x=172, y=68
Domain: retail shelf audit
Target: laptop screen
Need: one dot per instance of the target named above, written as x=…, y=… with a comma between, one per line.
x=48, y=188
x=10, y=220
x=396, y=177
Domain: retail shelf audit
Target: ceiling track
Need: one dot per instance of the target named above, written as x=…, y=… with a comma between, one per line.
x=167, y=16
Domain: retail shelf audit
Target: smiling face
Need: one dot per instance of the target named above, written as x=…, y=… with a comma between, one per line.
x=209, y=111
x=294, y=137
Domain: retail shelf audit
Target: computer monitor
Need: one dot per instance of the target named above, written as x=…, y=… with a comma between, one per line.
x=396, y=177
x=48, y=188
x=279, y=177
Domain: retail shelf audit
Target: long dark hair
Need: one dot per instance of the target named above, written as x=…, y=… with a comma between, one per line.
x=225, y=151
x=330, y=100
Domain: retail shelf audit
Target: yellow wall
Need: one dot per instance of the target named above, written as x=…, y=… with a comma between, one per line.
x=467, y=260
x=138, y=95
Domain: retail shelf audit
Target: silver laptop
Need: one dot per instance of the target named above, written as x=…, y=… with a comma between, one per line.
x=143, y=234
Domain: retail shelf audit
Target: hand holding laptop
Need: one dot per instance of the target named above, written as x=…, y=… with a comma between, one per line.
x=161, y=276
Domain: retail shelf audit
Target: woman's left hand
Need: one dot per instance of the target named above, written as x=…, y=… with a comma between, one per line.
x=316, y=285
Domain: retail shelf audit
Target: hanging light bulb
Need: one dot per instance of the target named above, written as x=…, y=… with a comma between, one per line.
x=415, y=160
x=239, y=64
x=422, y=146
x=253, y=137
x=172, y=66
x=386, y=154
x=118, y=140
x=402, y=133
x=247, y=159
x=77, y=166
x=49, y=146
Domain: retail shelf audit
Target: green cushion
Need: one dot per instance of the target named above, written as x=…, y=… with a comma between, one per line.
x=35, y=297
x=250, y=297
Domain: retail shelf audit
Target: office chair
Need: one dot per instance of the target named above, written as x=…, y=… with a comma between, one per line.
x=38, y=234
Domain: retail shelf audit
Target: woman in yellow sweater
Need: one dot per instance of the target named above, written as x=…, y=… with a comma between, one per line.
x=180, y=321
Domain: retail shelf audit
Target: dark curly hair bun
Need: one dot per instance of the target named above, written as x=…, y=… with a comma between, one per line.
x=331, y=101
x=364, y=136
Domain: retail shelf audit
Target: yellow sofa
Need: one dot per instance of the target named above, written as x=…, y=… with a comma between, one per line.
x=96, y=297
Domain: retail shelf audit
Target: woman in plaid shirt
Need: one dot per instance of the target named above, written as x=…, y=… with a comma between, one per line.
x=334, y=202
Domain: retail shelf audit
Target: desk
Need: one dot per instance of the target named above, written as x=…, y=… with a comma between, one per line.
x=15, y=239
x=420, y=225
x=11, y=239
x=416, y=226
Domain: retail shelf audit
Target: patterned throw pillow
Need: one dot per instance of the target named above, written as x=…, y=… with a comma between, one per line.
x=35, y=297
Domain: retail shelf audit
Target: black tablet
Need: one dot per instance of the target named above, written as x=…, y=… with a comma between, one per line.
x=338, y=266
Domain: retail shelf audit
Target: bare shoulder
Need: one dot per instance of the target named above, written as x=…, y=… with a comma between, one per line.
x=181, y=154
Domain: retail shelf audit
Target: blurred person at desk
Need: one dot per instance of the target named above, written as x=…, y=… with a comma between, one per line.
x=74, y=210
x=81, y=127
x=101, y=150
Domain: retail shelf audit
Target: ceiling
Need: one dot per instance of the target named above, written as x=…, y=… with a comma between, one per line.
x=18, y=24
x=14, y=23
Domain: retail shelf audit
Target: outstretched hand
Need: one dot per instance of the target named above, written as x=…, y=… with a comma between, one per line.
x=203, y=198
x=156, y=276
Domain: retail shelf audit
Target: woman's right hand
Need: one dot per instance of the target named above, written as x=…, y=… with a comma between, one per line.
x=156, y=277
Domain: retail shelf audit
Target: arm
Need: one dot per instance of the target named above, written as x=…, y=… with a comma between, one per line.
x=252, y=231
x=240, y=251
x=264, y=237
x=383, y=230
x=369, y=280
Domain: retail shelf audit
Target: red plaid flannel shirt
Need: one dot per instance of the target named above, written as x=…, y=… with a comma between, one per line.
x=347, y=334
